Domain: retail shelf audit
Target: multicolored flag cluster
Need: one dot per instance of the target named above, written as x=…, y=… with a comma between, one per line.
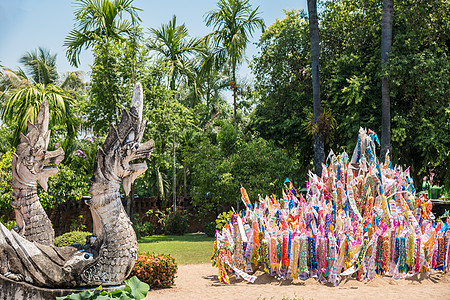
x=360, y=218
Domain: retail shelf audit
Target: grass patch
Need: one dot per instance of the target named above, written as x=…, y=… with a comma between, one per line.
x=188, y=249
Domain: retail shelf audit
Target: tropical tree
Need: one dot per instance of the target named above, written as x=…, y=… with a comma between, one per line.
x=40, y=66
x=175, y=49
x=283, y=88
x=386, y=41
x=23, y=106
x=98, y=21
x=25, y=90
x=234, y=22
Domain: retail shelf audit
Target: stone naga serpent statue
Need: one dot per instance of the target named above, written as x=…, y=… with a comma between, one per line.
x=110, y=253
x=32, y=162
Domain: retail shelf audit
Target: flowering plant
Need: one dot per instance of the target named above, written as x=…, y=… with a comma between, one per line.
x=158, y=271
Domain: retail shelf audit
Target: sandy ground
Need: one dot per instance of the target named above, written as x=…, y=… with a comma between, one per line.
x=200, y=282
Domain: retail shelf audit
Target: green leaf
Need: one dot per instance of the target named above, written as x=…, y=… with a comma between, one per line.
x=137, y=288
x=102, y=297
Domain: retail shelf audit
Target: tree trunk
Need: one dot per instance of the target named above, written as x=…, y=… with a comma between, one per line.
x=185, y=182
x=128, y=206
x=319, y=154
x=386, y=41
x=174, y=178
x=234, y=96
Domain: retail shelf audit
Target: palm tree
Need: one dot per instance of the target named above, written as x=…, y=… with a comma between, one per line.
x=175, y=49
x=386, y=41
x=23, y=106
x=319, y=154
x=210, y=73
x=40, y=66
x=24, y=91
x=98, y=21
x=234, y=21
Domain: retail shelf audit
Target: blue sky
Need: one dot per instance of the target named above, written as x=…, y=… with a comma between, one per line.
x=28, y=24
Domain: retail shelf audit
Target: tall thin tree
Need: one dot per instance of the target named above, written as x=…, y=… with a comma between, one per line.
x=234, y=21
x=319, y=154
x=386, y=42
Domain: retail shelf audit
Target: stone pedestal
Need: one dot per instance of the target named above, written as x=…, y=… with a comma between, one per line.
x=13, y=290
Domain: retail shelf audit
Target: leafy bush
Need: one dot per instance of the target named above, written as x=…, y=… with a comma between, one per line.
x=71, y=238
x=8, y=223
x=134, y=289
x=5, y=180
x=77, y=224
x=210, y=229
x=156, y=270
x=173, y=222
x=223, y=219
x=143, y=229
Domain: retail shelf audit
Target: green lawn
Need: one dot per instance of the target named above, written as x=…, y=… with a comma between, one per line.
x=191, y=248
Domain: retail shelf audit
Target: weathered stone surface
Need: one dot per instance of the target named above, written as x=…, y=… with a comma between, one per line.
x=31, y=163
x=110, y=254
x=10, y=289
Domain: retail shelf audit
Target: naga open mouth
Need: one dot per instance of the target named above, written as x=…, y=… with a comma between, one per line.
x=52, y=159
x=49, y=166
x=134, y=170
x=143, y=151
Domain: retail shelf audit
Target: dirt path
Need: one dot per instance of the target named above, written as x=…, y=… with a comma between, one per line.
x=200, y=282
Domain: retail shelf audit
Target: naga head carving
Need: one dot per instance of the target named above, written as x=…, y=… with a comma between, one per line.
x=32, y=162
x=122, y=146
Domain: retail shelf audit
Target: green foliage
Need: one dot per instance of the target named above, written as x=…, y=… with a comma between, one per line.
x=175, y=49
x=83, y=153
x=5, y=182
x=158, y=271
x=234, y=22
x=23, y=105
x=115, y=70
x=6, y=137
x=98, y=22
x=9, y=224
x=40, y=65
x=71, y=238
x=223, y=219
x=283, y=88
x=167, y=117
x=210, y=229
x=219, y=169
x=351, y=75
x=67, y=186
x=419, y=68
x=77, y=224
x=173, y=222
x=134, y=289
x=142, y=228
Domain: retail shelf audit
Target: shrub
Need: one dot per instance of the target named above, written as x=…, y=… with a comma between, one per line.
x=223, y=219
x=9, y=224
x=173, y=222
x=77, y=224
x=71, y=238
x=210, y=229
x=158, y=271
x=143, y=229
